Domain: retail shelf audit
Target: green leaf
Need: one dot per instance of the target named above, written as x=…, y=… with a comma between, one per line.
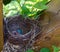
x=25, y=10
x=22, y=2
x=11, y=13
x=28, y=5
x=45, y=1
x=40, y=6
x=29, y=50
x=31, y=0
x=56, y=49
x=18, y=1
x=45, y=50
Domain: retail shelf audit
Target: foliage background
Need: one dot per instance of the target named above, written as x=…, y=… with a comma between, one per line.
x=27, y=8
